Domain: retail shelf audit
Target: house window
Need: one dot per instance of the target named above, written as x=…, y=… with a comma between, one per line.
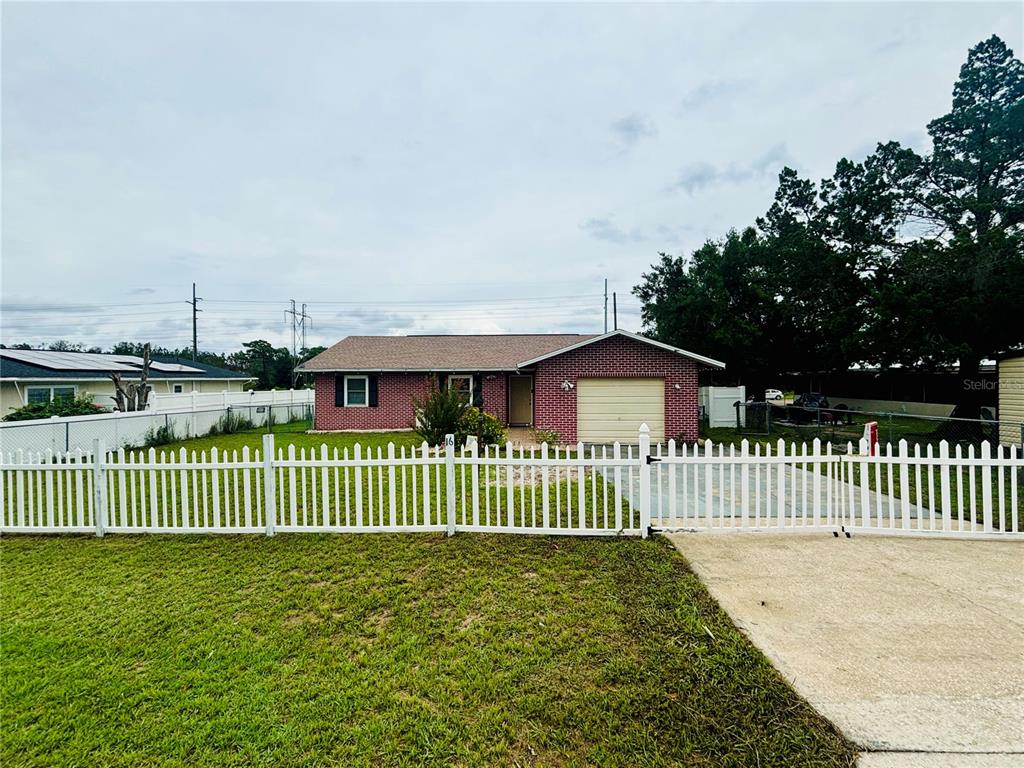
x=463, y=385
x=356, y=390
x=46, y=394
x=179, y=388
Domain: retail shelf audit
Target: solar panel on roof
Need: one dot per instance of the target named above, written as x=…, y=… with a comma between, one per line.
x=174, y=368
x=90, y=361
x=61, y=360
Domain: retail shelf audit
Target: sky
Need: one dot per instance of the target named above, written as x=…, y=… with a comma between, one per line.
x=422, y=168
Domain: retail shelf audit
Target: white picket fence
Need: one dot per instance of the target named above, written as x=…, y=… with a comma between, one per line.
x=587, y=490
x=806, y=487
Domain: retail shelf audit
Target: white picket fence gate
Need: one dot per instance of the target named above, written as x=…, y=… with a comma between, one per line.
x=588, y=490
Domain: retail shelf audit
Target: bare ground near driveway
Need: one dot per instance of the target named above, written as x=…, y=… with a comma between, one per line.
x=914, y=648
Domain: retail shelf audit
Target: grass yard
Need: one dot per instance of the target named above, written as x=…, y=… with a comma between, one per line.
x=293, y=433
x=382, y=650
x=891, y=429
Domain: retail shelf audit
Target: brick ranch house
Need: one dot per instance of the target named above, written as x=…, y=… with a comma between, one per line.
x=594, y=388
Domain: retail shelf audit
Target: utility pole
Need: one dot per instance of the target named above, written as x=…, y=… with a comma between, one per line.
x=615, y=312
x=195, y=327
x=606, y=305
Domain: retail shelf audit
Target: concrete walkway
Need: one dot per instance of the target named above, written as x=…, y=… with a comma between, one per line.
x=914, y=648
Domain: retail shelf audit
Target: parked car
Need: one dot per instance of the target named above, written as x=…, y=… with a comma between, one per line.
x=806, y=407
x=773, y=394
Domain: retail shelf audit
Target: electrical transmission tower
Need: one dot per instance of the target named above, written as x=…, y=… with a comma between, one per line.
x=299, y=321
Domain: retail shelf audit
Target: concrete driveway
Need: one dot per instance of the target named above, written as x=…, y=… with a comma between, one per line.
x=914, y=648
x=691, y=496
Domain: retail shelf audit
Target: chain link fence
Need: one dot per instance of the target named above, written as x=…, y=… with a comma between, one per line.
x=840, y=425
x=146, y=428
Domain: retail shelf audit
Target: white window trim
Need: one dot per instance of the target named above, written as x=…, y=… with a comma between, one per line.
x=177, y=389
x=50, y=387
x=366, y=392
x=468, y=377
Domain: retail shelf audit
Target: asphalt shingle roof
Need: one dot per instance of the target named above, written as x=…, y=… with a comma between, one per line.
x=439, y=353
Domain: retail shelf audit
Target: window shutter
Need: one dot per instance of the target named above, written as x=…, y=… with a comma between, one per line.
x=339, y=391
x=478, y=391
x=373, y=391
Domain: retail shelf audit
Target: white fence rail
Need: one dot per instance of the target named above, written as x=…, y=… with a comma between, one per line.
x=585, y=490
x=192, y=401
x=187, y=415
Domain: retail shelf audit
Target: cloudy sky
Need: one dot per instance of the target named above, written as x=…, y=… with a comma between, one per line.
x=421, y=168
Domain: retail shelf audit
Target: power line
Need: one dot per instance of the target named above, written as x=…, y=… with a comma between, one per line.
x=49, y=307
x=416, y=302
x=606, y=305
x=480, y=308
x=264, y=321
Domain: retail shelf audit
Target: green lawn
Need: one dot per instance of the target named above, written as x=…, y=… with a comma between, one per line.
x=293, y=433
x=891, y=429
x=382, y=650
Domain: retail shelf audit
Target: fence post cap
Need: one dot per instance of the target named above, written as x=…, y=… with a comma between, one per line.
x=644, y=429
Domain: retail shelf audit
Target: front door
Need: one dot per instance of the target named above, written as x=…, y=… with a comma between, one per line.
x=520, y=401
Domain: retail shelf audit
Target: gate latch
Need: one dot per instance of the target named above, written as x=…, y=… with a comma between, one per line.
x=652, y=459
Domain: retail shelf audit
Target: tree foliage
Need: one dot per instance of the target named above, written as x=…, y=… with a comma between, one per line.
x=270, y=366
x=901, y=258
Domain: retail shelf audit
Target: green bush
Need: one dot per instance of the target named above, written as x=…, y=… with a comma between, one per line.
x=230, y=423
x=78, y=406
x=489, y=430
x=440, y=414
x=161, y=435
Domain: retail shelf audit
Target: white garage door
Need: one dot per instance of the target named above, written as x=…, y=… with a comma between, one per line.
x=613, y=409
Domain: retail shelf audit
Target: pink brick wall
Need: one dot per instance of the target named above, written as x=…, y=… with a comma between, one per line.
x=395, y=392
x=496, y=395
x=394, y=396
x=556, y=409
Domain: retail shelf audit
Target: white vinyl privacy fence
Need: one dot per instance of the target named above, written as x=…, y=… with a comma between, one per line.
x=180, y=416
x=586, y=490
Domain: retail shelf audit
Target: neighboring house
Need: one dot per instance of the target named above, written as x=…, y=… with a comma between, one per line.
x=1011, y=400
x=35, y=375
x=594, y=388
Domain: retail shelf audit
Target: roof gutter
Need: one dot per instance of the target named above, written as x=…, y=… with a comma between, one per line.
x=711, y=363
x=436, y=369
